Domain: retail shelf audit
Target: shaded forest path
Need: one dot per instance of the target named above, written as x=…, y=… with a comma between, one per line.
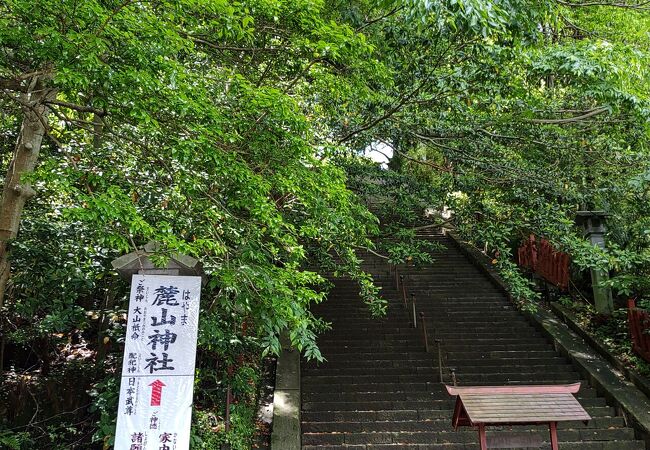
x=379, y=389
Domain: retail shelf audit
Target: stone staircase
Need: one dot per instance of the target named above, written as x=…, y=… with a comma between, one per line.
x=379, y=389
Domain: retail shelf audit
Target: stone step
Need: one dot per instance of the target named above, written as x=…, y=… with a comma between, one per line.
x=427, y=367
x=427, y=290
x=386, y=329
x=460, y=362
x=447, y=302
x=390, y=387
x=442, y=271
x=433, y=369
x=446, y=406
x=443, y=278
x=464, y=340
x=433, y=387
x=447, y=332
x=398, y=304
x=608, y=445
x=460, y=436
x=434, y=313
x=401, y=414
x=497, y=337
x=480, y=349
x=450, y=346
x=458, y=285
x=413, y=356
x=329, y=337
x=474, y=322
x=401, y=394
x=491, y=324
x=351, y=426
x=344, y=326
x=520, y=366
x=431, y=362
x=433, y=282
x=408, y=332
x=376, y=394
x=459, y=279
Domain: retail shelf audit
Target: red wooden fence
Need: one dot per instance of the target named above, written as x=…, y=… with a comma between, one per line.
x=544, y=260
x=639, y=323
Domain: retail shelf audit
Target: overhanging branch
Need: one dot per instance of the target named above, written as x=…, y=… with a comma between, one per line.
x=640, y=6
x=422, y=162
x=586, y=115
x=379, y=19
x=79, y=108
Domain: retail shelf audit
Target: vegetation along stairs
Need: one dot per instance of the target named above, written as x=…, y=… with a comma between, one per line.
x=379, y=389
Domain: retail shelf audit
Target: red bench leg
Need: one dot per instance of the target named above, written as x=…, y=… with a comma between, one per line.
x=553, y=429
x=482, y=436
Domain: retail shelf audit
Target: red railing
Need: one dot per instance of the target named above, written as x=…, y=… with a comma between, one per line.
x=639, y=323
x=545, y=261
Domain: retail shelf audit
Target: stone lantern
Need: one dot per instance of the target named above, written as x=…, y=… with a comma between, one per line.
x=593, y=223
x=140, y=262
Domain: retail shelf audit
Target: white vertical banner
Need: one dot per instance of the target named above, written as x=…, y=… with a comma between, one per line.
x=155, y=409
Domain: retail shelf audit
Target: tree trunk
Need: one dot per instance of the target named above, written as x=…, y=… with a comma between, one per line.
x=25, y=156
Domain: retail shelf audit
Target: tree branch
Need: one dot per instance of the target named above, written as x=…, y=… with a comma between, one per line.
x=214, y=46
x=374, y=252
x=76, y=107
x=425, y=163
x=639, y=6
x=16, y=83
x=433, y=225
x=514, y=138
x=584, y=116
x=431, y=140
x=380, y=18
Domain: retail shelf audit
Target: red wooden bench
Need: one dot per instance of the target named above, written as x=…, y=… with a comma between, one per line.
x=482, y=406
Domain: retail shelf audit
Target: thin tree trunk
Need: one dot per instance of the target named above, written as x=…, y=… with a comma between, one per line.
x=25, y=156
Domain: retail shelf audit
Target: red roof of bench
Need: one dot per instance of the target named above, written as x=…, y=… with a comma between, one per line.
x=516, y=404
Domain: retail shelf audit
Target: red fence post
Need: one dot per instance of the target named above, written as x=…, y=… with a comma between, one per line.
x=533, y=252
x=639, y=324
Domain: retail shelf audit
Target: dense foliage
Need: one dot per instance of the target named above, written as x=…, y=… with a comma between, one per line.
x=520, y=117
x=230, y=131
